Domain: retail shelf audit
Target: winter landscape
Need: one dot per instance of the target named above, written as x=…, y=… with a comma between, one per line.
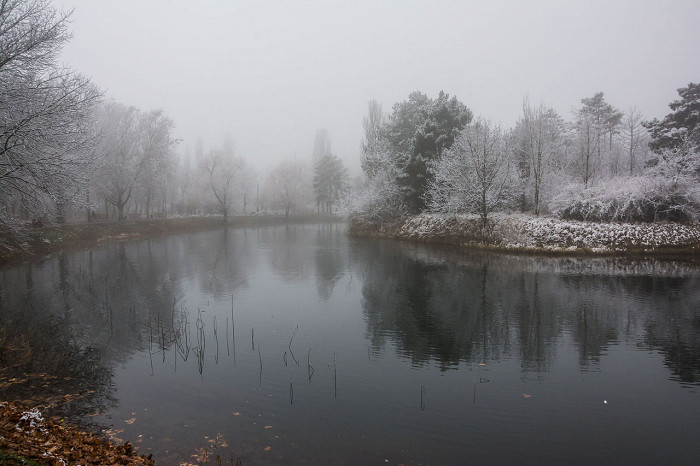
x=315, y=233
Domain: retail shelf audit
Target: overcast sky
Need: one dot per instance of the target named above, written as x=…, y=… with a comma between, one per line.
x=270, y=73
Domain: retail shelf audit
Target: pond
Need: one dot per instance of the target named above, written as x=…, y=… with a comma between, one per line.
x=300, y=345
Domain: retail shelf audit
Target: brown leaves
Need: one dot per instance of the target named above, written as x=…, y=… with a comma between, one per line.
x=55, y=442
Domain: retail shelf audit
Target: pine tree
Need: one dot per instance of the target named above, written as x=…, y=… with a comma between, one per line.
x=681, y=125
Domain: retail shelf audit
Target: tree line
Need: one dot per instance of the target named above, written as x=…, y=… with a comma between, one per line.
x=434, y=155
x=65, y=148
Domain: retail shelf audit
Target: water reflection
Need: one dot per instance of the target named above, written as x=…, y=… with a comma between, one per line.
x=330, y=259
x=43, y=363
x=431, y=304
x=152, y=322
x=459, y=306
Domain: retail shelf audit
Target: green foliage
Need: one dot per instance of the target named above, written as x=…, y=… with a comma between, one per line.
x=10, y=458
x=681, y=125
x=420, y=129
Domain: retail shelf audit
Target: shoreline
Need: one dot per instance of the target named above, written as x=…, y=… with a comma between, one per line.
x=544, y=235
x=28, y=437
x=42, y=241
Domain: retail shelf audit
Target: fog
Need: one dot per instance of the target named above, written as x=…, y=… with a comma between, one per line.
x=271, y=73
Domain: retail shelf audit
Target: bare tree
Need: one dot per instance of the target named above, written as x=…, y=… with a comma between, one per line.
x=473, y=174
x=220, y=168
x=135, y=148
x=289, y=185
x=635, y=139
x=539, y=141
x=119, y=149
x=588, y=144
x=45, y=115
x=248, y=179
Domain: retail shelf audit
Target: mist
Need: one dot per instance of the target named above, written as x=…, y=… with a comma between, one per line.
x=270, y=74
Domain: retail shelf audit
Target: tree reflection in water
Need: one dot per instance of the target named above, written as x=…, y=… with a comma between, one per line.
x=72, y=321
x=470, y=306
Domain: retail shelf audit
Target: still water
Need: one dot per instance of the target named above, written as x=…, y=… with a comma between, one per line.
x=300, y=345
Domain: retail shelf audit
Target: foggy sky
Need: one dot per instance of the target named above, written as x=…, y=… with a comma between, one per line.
x=270, y=73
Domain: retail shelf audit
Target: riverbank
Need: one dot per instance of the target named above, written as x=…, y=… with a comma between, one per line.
x=39, y=241
x=27, y=437
x=521, y=233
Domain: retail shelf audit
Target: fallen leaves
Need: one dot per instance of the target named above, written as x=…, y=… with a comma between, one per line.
x=130, y=421
x=53, y=440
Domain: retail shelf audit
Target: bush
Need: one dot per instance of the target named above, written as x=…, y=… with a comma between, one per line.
x=631, y=199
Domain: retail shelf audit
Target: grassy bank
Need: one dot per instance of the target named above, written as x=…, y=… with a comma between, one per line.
x=542, y=235
x=40, y=241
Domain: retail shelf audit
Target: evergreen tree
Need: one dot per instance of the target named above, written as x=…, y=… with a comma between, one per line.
x=420, y=129
x=681, y=126
x=330, y=181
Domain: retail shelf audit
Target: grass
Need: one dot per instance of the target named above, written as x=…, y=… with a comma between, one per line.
x=11, y=458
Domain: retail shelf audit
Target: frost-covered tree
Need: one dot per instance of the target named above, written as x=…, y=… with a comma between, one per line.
x=418, y=131
x=371, y=124
x=248, y=178
x=159, y=161
x=634, y=139
x=538, y=144
x=330, y=182
x=472, y=175
x=597, y=122
x=133, y=146
x=221, y=169
x=682, y=125
x=379, y=198
x=46, y=134
x=322, y=145
x=289, y=186
x=668, y=190
x=185, y=182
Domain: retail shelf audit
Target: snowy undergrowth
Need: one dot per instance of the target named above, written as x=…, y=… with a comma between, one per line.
x=518, y=232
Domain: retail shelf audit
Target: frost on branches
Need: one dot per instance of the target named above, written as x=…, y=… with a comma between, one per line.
x=45, y=130
x=669, y=190
x=472, y=176
x=380, y=198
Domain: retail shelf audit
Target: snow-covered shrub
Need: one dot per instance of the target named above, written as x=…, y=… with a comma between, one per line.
x=380, y=198
x=630, y=199
x=377, y=200
x=669, y=190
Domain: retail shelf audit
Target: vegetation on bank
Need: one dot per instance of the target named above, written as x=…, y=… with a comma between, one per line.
x=39, y=241
x=526, y=233
x=434, y=156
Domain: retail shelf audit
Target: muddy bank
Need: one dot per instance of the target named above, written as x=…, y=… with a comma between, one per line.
x=40, y=241
x=518, y=233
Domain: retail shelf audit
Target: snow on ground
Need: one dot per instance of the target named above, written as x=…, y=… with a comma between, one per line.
x=525, y=232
